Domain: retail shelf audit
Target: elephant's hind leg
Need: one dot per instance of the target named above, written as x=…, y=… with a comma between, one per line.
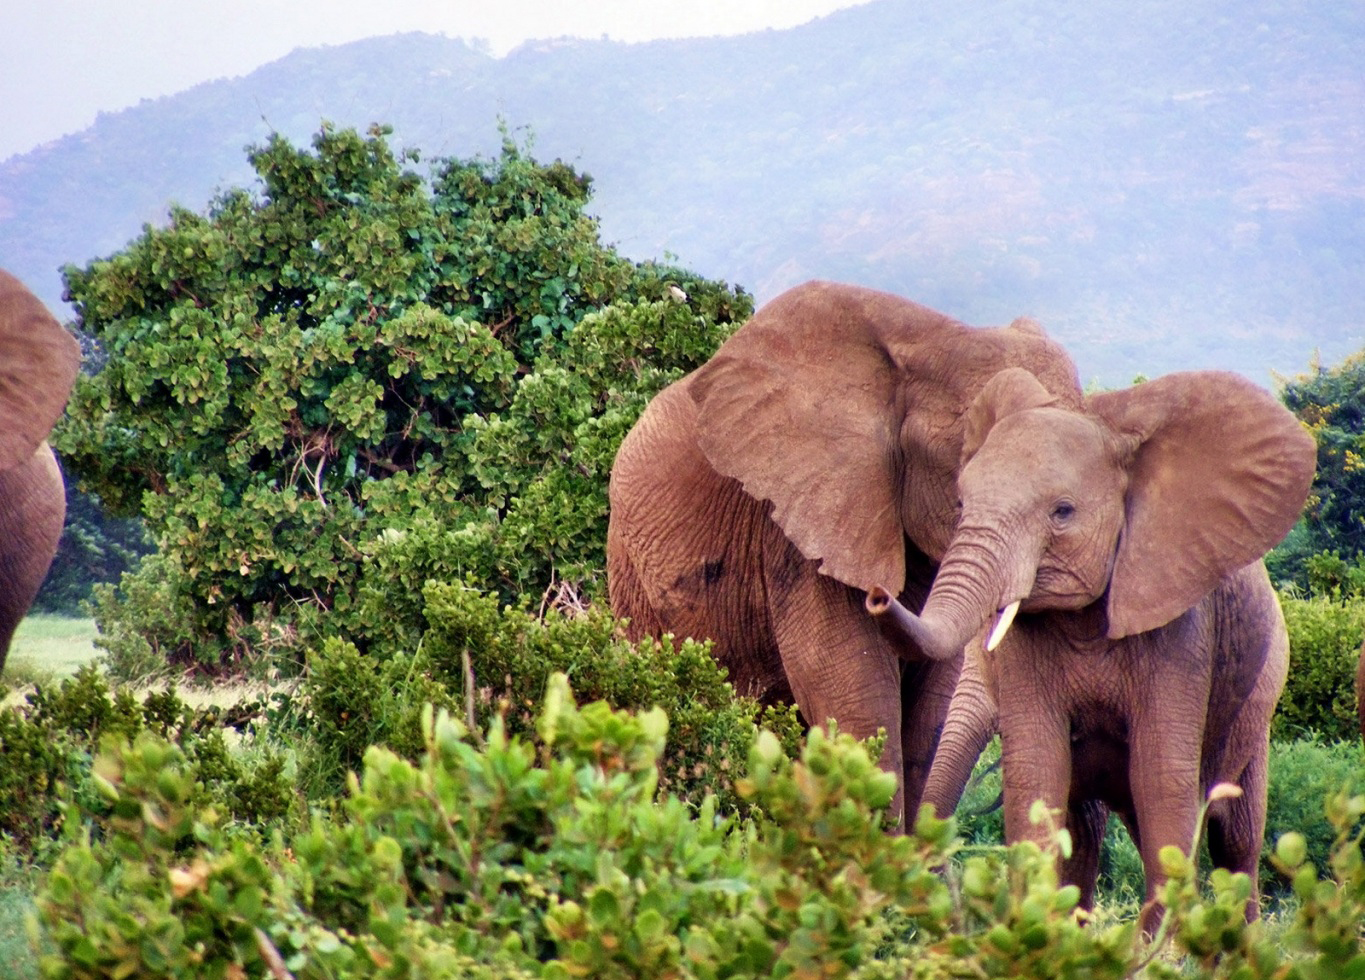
x=1237, y=829
x=32, y=512
x=1087, y=822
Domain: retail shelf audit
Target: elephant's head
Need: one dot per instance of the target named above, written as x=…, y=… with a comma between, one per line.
x=846, y=408
x=1145, y=497
x=38, y=364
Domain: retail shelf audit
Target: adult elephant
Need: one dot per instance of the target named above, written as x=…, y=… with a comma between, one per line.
x=38, y=364
x=813, y=458
x=1149, y=649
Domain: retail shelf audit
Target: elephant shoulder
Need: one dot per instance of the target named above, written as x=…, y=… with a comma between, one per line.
x=664, y=494
x=663, y=439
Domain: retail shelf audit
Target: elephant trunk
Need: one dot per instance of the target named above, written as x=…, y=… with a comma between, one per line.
x=971, y=586
x=973, y=718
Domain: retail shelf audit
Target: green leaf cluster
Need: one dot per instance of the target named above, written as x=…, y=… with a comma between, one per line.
x=493, y=855
x=354, y=351
x=485, y=660
x=1324, y=647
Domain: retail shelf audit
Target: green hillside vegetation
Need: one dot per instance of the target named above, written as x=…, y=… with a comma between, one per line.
x=367, y=412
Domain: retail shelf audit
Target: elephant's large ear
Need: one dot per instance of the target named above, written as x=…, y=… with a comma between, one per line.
x=1219, y=476
x=831, y=397
x=38, y=364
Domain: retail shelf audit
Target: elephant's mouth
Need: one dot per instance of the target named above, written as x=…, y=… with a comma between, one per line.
x=1058, y=588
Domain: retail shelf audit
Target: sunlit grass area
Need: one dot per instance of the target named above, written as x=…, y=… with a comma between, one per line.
x=48, y=647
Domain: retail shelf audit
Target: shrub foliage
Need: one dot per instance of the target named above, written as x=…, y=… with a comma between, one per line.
x=482, y=660
x=356, y=351
x=488, y=857
x=1324, y=647
x=1331, y=403
x=48, y=743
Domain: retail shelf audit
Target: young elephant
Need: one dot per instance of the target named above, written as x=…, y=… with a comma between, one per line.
x=1149, y=649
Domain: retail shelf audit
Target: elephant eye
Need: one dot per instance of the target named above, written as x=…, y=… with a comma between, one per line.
x=1064, y=511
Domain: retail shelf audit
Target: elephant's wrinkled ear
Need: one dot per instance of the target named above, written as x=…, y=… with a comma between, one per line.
x=800, y=406
x=844, y=407
x=1012, y=390
x=38, y=364
x=1219, y=476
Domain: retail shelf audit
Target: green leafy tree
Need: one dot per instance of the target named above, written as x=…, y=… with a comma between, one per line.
x=94, y=548
x=1331, y=403
x=301, y=370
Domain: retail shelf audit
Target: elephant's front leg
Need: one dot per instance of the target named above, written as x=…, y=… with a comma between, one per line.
x=1164, y=762
x=839, y=667
x=1035, y=741
x=1035, y=754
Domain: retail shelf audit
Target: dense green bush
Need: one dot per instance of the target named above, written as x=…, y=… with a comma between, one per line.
x=48, y=744
x=1324, y=647
x=355, y=354
x=489, y=857
x=492, y=660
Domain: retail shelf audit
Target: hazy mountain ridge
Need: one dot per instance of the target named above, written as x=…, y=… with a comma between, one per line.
x=1177, y=186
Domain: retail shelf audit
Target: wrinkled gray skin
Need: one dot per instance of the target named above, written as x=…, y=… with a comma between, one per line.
x=814, y=457
x=38, y=364
x=1149, y=649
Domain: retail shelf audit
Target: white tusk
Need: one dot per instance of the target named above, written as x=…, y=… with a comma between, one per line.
x=1002, y=626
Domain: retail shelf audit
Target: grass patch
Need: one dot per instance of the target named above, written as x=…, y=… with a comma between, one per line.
x=16, y=952
x=47, y=648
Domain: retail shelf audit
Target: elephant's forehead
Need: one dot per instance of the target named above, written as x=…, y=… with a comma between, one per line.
x=1048, y=438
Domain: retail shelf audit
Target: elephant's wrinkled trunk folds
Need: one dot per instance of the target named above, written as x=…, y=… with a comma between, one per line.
x=964, y=595
x=934, y=642
x=891, y=613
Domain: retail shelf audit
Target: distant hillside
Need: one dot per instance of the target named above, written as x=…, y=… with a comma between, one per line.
x=1165, y=185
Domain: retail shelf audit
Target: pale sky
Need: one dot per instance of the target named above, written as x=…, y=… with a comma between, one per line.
x=61, y=61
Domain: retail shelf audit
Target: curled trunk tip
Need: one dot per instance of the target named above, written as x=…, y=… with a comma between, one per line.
x=894, y=619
